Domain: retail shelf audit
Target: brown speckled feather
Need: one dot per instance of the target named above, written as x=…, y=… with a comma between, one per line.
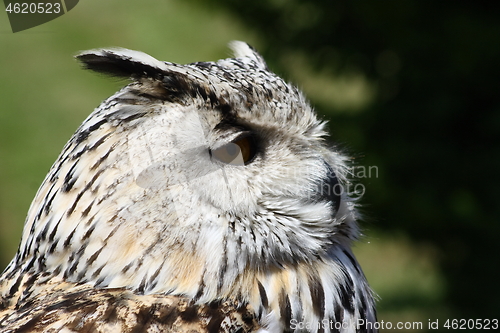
x=67, y=307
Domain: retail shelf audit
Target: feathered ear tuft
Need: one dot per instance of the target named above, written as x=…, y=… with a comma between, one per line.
x=122, y=63
x=243, y=50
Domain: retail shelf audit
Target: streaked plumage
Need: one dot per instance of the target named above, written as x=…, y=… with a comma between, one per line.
x=199, y=197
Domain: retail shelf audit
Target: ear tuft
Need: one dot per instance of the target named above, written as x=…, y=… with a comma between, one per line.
x=122, y=63
x=243, y=50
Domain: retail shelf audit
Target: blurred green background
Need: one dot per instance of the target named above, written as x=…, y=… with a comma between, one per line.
x=410, y=87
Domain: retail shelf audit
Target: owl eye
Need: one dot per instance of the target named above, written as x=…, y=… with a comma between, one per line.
x=240, y=151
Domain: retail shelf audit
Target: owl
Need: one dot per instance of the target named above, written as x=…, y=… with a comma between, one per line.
x=198, y=198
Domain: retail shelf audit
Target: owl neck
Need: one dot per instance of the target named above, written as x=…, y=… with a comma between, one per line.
x=331, y=288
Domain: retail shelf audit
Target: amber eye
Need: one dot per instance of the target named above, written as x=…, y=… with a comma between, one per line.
x=238, y=152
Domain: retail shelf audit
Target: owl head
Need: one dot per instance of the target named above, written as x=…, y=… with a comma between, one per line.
x=188, y=179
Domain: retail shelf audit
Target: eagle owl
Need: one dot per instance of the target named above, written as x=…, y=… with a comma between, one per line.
x=198, y=198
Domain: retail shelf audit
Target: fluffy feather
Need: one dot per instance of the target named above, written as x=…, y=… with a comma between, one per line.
x=141, y=222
